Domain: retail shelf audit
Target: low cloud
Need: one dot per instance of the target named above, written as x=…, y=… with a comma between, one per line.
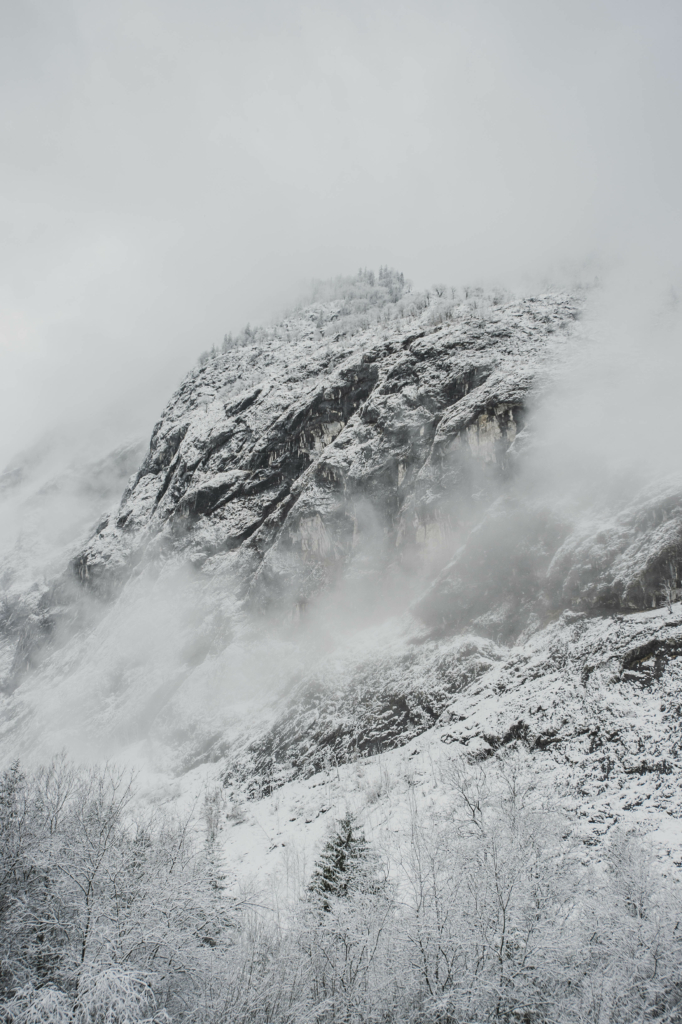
x=171, y=173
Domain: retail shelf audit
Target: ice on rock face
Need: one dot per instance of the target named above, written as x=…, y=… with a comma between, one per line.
x=330, y=549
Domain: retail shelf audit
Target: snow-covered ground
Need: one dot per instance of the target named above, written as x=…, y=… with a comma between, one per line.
x=597, y=739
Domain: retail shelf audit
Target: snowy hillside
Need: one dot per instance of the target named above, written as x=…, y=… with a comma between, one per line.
x=335, y=547
x=404, y=700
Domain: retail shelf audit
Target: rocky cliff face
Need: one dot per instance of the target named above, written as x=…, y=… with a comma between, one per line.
x=331, y=549
x=286, y=460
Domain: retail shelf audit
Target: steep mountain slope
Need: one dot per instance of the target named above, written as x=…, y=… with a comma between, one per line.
x=49, y=499
x=335, y=545
x=275, y=449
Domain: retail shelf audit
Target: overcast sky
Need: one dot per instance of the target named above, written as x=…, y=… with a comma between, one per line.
x=173, y=168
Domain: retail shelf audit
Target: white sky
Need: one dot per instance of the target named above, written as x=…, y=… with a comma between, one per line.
x=170, y=170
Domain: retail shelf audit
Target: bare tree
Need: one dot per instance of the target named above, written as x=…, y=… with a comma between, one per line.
x=669, y=586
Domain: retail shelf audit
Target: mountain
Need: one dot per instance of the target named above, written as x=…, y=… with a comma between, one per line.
x=50, y=496
x=341, y=546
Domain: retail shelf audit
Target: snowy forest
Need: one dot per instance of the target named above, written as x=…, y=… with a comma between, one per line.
x=492, y=911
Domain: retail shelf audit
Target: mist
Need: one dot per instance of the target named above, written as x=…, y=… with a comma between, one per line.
x=608, y=424
x=170, y=173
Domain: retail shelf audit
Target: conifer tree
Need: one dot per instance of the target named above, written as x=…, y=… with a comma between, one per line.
x=345, y=866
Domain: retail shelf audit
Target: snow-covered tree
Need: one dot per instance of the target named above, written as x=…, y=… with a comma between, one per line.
x=100, y=906
x=345, y=866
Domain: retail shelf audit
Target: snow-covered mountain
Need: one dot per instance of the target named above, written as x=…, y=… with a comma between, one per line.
x=336, y=550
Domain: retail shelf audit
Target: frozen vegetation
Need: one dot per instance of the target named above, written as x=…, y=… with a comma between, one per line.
x=479, y=905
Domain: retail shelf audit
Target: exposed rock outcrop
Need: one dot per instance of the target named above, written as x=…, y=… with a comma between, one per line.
x=269, y=457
